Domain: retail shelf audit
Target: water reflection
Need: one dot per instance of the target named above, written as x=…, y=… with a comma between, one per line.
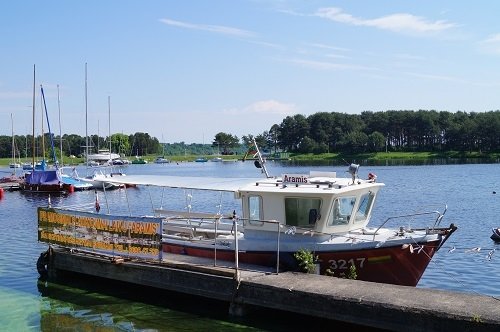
x=85, y=303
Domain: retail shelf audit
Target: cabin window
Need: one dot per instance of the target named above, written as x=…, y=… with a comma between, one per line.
x=302, y=212
x=365, y=204
x=254, y=207
x=341, y=211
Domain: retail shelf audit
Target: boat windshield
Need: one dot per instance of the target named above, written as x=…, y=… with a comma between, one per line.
x=302, y=212
x=364, y=207
x=341, y=211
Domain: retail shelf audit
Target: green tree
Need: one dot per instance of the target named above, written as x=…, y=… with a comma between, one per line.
x=120, y=143
x=225, y=142
x=376, y=142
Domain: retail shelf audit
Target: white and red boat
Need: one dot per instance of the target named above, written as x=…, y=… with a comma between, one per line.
x=319, y=212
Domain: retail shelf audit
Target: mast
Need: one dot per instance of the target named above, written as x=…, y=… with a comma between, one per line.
x=48, y=127
x=60, y=129
x=13, y=143
x=109, y=127
x=43, y=136
x=86, y=122
x=33, y=138
x=262, y=161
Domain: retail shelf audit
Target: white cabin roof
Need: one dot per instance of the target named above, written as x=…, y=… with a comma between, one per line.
x=314, y=184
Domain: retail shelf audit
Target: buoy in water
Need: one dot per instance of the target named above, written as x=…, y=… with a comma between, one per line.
x=1, y=193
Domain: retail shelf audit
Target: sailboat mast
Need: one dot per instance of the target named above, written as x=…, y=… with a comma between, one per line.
x=13, y=144
x=54, y=158
x=109, y=127
x=43, y=134
x=33, y=140
x=60, y=129
x=86, y=121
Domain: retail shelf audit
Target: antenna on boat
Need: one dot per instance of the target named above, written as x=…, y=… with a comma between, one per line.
x=260, y=162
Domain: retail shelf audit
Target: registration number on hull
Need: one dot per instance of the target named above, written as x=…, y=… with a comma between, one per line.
x=342, y=264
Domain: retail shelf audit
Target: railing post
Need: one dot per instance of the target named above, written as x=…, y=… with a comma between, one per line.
x=278, y=251
x=215, y=243
x=236, y=250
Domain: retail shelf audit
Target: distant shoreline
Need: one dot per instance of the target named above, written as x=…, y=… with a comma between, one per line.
x=378, y=157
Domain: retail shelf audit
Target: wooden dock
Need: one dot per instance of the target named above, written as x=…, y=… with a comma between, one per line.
x=10, y=186
x=368, y=304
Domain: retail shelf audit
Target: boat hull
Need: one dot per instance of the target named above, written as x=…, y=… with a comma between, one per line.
x=399, y=264
x=47, y=188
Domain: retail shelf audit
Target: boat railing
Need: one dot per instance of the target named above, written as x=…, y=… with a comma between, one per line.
x=195, y=220
x=439, y=217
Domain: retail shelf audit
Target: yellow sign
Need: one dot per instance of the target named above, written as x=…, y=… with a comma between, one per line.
x=134, y=236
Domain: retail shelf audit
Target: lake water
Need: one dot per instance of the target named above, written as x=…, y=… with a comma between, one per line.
x=27, y=304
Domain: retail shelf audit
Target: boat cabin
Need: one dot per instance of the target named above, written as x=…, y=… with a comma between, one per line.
x=318, y=202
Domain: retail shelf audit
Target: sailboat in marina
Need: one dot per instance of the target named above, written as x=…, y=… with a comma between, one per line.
x=14, y=164
x=42, y=179
x=72, y=177
x=26, y=165
x=99, y=179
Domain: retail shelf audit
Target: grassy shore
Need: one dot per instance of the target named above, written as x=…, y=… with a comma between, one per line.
x=377, y=157
x=381, y=156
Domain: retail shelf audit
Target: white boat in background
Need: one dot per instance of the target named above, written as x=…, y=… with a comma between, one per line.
x=277, y=218
x=27, y=166
x=161, y=160
x=73, y=179
x=101, y=179
x=103, y=156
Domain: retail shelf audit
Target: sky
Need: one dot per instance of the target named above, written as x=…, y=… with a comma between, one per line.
x=183, y=71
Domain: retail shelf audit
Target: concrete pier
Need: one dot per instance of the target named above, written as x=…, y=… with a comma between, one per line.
x=368, y=304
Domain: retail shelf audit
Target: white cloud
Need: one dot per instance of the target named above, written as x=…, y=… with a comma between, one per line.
x=400, y=22
x=266, y=107
x=491, y=44
x=436, y=77
x=210, y=28
x=328, y=47
x=322, y=65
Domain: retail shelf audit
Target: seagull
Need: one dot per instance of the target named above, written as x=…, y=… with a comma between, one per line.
x=452, y=250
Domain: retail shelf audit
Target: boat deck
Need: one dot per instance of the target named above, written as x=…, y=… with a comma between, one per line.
x=215, y=267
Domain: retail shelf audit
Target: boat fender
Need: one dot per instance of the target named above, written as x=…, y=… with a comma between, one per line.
x=42, y=263
x=1, y=193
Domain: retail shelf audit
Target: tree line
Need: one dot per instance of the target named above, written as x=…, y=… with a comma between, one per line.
x=322, y=132
x=403, y=130
x=392, y=130
x=127, y=145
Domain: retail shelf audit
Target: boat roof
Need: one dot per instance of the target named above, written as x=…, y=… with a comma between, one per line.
x=185, y=182
x=314, y=184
